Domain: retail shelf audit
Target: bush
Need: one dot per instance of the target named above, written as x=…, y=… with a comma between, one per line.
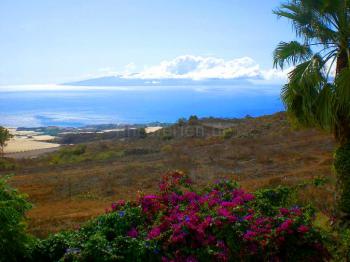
x=14, y=243
x=72, y=154
x=269, y=201
x=229, y=133
x=219, y=223
x=111, y=237
x=142, y=133
x=7, y=164
x=181, y=121
x=342, y=168
x=341, y=249
x=193, y=120
x=105, y=155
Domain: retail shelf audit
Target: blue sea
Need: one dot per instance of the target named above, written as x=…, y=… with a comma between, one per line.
x=81, y=106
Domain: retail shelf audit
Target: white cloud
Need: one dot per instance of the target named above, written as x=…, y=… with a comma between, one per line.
x=130, y=67
x=198, y=67
x=106, y=71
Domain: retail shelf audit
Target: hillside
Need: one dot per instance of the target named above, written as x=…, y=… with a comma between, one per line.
x=69, y=186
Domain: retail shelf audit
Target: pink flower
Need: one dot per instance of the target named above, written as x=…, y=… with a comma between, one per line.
x=248, y=197
x=133, y=233
x=117, y=205
x=286, y=225
x=155, y=232
x=284, y=211
x=249, y=235
x=248, y=217
x=178, y=238
x=223, y=212
x=191, y=259
x=228, y=204
x=303, y=229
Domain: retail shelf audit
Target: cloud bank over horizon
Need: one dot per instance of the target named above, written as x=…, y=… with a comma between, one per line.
x=200, y=67
x=178, y=70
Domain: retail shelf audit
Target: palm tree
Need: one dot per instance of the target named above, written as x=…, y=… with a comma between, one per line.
x=318, y=90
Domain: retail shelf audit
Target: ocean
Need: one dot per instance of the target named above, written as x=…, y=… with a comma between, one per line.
x=79, y=106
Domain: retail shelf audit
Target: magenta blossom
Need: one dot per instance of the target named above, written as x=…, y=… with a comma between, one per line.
x=155, y=232
x=133, y=233
x=303, y=229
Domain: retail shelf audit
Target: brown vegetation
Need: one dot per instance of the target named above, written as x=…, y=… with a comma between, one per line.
x=67, y=190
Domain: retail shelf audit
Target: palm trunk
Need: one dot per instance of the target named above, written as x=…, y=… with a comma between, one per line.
x=342, y=128
x=342, y=155
x=342, y=61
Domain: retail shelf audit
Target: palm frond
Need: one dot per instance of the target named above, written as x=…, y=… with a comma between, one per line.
x=290, y=53
x=324, y=107
x=312, y=96
x=310, y=19
x=309, y=73
x=306, y=94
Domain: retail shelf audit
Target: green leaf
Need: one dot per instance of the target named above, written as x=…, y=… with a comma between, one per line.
x=291, y=53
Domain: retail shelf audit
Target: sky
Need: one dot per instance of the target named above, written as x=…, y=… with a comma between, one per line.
x=58, y=41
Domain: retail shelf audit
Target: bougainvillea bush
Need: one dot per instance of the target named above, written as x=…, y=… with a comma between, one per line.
x=219, y=223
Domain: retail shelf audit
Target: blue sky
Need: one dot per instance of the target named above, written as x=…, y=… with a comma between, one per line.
x=65, y=40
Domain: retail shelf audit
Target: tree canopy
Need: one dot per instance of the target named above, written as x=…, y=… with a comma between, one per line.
x=318, y=91
x=5, y=135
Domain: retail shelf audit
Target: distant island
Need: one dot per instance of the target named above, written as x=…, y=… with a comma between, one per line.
x=133, y=81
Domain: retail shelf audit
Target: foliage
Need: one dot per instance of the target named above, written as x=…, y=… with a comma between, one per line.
x=342, y=167
x=269, y=201
x=341, y=251
x=229, y=133
x=111, y=237
x=4, y=137
x=7, y=164
x=166, y=135
x=81, y=153
x=313, y=96
x=181, y=121
x=193, y=120
x=219, y=223
x=142, y=132
x=69, y=155
x=14, y=242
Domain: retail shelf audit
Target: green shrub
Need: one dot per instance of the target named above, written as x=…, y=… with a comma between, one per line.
x=6, y=164
x=193, y=120
x=167, y=136
x=142, y=133
x=102, y=239
x=219, y=223
x=269, y=201
x=5, y=136
x=342, y=168
x=105, y=155
x=76, y=150
x=181, y=121
x=14, y=242
x=229, y=133
x=72, y=154
x=52, y=248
